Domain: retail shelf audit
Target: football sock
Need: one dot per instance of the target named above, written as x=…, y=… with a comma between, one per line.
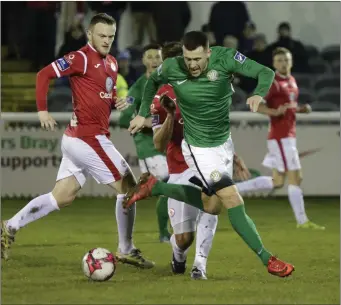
x=34, y=210
x=206, y=228
x=162, y=215
x=262, y=183
x=297, y=203
x=246, y=229
x=179, y=254
x=125, y=224
x=185, y=193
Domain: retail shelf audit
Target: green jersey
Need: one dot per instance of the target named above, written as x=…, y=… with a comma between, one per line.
x=143, y=140
x=205, y=101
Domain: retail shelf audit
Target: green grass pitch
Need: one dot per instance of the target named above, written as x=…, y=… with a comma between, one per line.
x=45, y=267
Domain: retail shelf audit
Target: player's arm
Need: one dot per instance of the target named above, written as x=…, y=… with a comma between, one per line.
x=241, y=171
x=306, y=108
x=163, y=122
x=127, y=115
x=71, y=64
x=264, y=109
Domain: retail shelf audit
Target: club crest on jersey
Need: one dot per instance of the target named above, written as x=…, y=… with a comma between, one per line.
x=171, y=212
x=109, y=84
x=155, y=119
x=239, y=57
x=215, y=176
x=212, y=75
x=113, y=67
x=62, y=64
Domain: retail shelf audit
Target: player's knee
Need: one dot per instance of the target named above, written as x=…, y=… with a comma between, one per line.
x=184, y=240
x=230, y=197
x=63, y=197
x=278, y=182
x=295, y=178
x=125, y=184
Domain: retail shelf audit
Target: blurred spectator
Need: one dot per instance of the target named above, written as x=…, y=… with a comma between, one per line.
x=228, y=18
x=41, y=36
x=125, y=69
x=230, y=42
x=142, y=21
x=300, y=58
x=246, y=42
x=171, y=20
x=112, y=8
x=210, y=35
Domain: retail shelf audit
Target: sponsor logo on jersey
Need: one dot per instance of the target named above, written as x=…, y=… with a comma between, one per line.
x=171, y=212
x=109, y=83
x=159, y=70
x=212, y=75
x=215, y=176
x=62, y=64
x=155, y=119
x=130, y=100
x=239, y=57
x=105, y=95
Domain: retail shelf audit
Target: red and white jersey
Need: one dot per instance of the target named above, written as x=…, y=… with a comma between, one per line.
x=175, y=159
x=93, y=84
x=284, y=90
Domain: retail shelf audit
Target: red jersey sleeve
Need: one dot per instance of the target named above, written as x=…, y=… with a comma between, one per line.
x=273, y=90
x=71, y=64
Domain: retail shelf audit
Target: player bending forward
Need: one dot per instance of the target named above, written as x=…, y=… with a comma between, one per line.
x=283, y=158
x=185, y=219
x=86, y=147
x=150, y=159
x=201, y=80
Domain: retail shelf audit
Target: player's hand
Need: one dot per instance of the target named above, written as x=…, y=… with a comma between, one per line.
x=306, y=108
x=167, y=103
x=281, y=110
x=46, y=121
x=254, y=102
x=240, y=169
x=121, y=103
x=136, y=124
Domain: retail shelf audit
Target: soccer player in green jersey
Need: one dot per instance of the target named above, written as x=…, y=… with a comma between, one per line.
x=150, y=159
x=199, y=79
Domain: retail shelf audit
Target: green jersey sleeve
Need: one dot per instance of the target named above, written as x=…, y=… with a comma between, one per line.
x=235, y=62
x=127, y=114
x=157, y=78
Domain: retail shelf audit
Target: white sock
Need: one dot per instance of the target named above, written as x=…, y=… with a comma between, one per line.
x=296, y=200
x=34, y=210
x=125, y=225
x=206, y=227
x=262, y=183
x=179, y=254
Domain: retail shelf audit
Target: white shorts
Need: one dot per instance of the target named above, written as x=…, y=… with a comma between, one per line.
x=210, y=164
x=95, y=156
x=156, y=165
x=283, y=155
x=183, y=217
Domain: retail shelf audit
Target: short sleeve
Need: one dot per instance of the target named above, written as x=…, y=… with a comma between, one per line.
x=70, y=64
x=270, y=96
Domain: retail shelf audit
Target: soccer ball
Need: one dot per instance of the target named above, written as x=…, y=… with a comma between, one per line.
x=99, y=264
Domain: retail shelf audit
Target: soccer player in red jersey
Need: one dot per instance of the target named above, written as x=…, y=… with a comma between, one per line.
x=282, y=157
x=185, y=219
x=86, y=147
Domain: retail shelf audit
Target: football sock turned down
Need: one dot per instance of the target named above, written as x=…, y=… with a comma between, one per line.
x=246, y=229
x=34, y=210
x=185, y=193
x=207, y=225
x=162, y=215
x=125, y=219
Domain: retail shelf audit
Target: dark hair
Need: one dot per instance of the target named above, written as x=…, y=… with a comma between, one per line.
x=195, y=39
x=284, y=26
x=102, y=18
x=151, y=46
x=280, y=51
x=171, y=49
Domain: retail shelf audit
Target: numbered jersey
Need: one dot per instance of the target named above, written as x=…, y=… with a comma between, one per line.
x=93, y=84
x=175, y=159
x=284, y=90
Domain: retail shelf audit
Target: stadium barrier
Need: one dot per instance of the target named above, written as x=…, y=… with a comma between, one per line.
x=31, y=157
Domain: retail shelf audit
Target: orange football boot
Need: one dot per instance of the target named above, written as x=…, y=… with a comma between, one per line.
x=279, y=268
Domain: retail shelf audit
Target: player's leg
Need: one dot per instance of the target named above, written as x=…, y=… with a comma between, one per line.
x=295, y=193
x=70, y=179
x=157, y=166
x=215, y=168
x=107, y=166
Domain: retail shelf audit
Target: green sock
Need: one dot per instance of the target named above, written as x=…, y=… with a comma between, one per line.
x=185, y=193
x=246, y=228
x=162, y=216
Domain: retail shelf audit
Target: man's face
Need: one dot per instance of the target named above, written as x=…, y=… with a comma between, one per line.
x=284, y=33
x=152, y=59
x=283, y=63
x=196, y=60
x=259, y=44
x=101, y=37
